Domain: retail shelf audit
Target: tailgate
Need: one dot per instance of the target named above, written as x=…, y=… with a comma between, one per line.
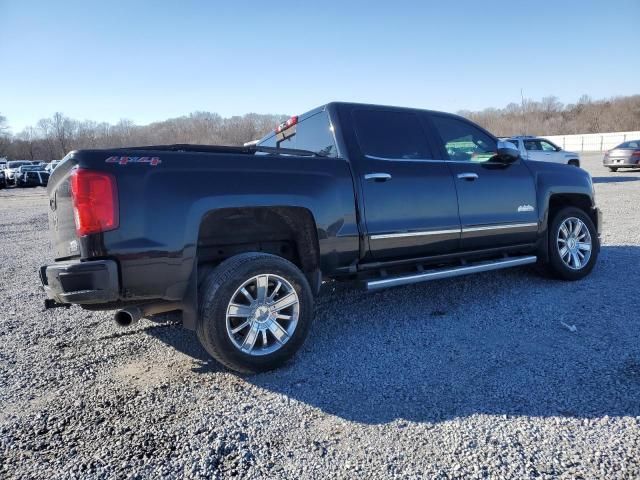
x=61, y=217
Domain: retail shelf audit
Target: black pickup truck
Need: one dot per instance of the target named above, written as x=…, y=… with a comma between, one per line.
x=239, y=239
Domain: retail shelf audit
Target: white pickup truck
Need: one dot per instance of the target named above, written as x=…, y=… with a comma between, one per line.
x=542, y=150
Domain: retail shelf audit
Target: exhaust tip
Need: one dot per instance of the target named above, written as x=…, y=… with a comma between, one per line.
x=123, y=318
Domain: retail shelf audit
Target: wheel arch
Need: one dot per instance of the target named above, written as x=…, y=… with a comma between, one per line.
x=285, y=231
x=558, y=201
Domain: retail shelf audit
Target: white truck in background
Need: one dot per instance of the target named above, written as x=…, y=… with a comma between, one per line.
x=542, y=150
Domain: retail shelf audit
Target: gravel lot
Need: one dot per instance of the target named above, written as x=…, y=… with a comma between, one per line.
x=467, y=378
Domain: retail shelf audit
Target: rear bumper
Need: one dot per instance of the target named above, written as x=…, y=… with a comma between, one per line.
x=625, y=162
x=81, y=282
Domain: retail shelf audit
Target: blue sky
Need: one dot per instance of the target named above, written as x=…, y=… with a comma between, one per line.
x=147, y=61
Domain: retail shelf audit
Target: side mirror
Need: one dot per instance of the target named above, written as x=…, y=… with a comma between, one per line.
x=507, y=152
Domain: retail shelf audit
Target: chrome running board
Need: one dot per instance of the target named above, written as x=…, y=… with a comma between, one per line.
x=449, y=272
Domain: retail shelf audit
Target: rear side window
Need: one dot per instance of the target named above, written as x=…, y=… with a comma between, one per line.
x=391, y=135
x=463, y=141
x=532, y=145
x=313, y=133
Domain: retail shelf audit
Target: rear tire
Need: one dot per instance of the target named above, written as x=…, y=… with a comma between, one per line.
x=573, y=245
x=250, y=289
x=613, y=169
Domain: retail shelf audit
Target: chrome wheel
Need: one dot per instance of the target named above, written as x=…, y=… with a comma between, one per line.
x=574, y=243
x=262, y=314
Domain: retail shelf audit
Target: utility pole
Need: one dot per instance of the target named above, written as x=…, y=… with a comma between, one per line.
x=524, y=129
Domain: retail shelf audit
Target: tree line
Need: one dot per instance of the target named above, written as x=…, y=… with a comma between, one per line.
x=52, y=138
x=550, y=117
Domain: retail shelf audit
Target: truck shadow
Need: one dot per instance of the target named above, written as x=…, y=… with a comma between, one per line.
x=488, y=344
x=615, y=179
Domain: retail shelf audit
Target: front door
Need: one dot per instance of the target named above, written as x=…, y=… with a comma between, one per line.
x=497, y=201
x=410, y=202
x=552, y=153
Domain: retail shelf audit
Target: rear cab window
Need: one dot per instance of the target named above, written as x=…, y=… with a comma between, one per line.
x=631, y=144
x=313, y=133
x=391, y=135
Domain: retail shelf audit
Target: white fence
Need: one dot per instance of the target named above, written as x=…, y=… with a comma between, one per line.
x=592, y=142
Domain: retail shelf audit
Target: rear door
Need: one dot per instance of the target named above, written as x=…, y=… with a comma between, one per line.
x=409, y=198
x=497, y=201
x=533, y=149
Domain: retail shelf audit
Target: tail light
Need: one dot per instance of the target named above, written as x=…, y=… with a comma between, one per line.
x=95, y=201
x=636, y=153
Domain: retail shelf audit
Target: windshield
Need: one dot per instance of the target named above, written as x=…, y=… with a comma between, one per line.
x=17, y=164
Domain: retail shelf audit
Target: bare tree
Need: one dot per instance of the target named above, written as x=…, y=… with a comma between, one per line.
x=5, y=139
x=63, y=131
x=549, y=116
x=27, y=144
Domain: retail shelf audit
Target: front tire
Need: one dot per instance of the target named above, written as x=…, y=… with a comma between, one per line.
x=255, y=312
x=573, y=244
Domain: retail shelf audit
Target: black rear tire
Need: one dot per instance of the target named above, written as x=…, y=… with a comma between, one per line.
x=216, y=291
x=613, y=169
x=556, y=267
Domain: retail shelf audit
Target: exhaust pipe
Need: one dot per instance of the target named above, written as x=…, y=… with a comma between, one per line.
x=127, y=316
x=130, y=315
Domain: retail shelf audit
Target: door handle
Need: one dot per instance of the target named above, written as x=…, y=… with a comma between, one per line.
x=378, y=177
x=469, y=176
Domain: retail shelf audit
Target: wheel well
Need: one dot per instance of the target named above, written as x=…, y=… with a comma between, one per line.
x=583, y=202
x=289, y=232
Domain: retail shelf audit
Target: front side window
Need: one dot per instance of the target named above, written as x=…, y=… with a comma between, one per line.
x=548, y=146
x=463, y=141
x=391, y=135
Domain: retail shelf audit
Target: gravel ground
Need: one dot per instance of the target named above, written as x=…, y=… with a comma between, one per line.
x=467, y=378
